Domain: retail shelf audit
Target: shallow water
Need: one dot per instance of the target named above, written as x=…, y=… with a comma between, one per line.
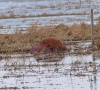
x=74, y=72
x=23, y=13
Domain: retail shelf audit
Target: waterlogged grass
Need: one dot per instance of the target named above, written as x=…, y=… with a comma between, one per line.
x=74, y=71
x=23, y=42
x=30, y=9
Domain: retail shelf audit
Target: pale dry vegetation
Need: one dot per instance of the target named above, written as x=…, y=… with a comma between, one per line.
x=23, y=42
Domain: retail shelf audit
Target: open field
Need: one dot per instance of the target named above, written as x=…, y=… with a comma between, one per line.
x=19, y=15
x=65, y=20
x=24, y=23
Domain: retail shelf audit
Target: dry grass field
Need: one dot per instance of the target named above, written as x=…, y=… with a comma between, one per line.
x=23, y=42
x=64, y=20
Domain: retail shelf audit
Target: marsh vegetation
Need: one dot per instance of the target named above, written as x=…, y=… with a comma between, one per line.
x=24, y=24
x=23, y=42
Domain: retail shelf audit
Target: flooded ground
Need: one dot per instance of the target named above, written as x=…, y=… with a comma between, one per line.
x=23, y=72
x=73, y=72
x=16, y=16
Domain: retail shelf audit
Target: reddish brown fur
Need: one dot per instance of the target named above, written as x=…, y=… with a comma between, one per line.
x=53, y=44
